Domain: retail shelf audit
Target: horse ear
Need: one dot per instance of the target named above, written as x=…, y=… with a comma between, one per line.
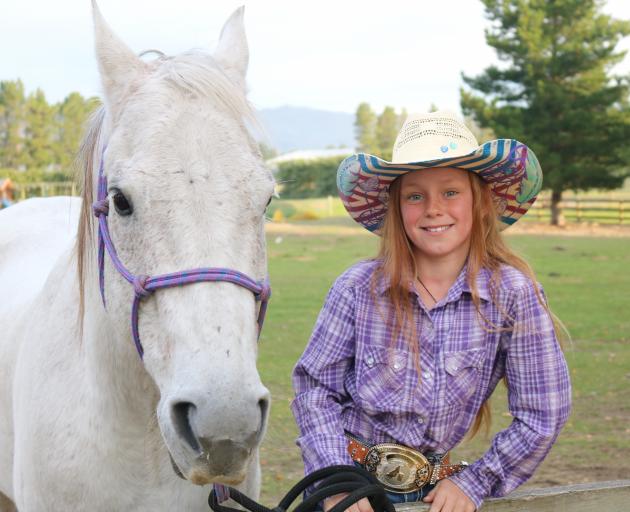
x=119, y=67
x=232, y=52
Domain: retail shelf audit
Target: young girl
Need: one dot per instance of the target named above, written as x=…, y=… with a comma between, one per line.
x=410, y=345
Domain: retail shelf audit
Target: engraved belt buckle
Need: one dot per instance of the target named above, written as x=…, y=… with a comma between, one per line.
x=398, y=468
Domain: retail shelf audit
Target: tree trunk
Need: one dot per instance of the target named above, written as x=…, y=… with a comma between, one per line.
x=557, y=217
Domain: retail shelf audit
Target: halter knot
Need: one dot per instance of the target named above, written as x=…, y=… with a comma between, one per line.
x=265, y=292
x=100, y=207
x=139, y=286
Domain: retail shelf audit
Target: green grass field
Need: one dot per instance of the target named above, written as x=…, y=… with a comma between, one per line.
x=588, y=285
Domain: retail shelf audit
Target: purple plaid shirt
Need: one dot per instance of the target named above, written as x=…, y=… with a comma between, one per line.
x=354, y=377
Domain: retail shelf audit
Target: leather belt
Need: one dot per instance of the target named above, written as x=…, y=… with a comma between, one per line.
x=399, y=468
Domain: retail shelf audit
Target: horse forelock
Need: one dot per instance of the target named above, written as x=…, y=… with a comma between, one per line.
x=197, y=74
x=87, y=155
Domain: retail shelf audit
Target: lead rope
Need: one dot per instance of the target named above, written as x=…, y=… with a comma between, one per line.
x=334, y=480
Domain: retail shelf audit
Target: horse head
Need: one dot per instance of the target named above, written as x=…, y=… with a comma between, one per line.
x=186, y=189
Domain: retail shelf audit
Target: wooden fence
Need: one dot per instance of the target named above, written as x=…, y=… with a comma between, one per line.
x=584, y=209
x=594, y=497
x=45, y=189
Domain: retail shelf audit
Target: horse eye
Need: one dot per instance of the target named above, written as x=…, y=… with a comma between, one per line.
x=122, y=204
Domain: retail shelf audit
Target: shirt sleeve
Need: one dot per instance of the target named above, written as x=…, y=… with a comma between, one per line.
x=318, y=382
x=539, y=399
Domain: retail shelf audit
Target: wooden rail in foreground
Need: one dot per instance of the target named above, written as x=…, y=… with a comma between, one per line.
x=593, y=497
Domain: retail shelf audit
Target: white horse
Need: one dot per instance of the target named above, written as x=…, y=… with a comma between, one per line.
x=85, y=423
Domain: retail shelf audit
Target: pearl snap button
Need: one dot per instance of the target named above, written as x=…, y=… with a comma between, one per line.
x=370, y=361
x=426, y=375
x=396, y=366
x=420, y=420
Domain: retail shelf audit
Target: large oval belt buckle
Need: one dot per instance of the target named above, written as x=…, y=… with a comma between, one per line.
x=398, y=468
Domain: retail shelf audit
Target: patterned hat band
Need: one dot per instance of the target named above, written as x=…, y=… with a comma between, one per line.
x=435, y=140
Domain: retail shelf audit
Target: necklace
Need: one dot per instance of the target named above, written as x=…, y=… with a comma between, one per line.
x=426, y=289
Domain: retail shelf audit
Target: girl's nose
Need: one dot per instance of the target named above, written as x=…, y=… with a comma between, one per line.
x=434, y=206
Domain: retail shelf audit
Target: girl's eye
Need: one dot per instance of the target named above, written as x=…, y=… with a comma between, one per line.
x=121, y=203
x=414, y=197
x=451, y=193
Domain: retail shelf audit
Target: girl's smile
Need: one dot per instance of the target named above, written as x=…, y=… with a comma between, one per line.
x=436, y=229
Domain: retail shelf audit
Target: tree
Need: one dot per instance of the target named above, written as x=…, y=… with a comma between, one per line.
x=387, y=128
x=556, y=92
x=12, y=123
x=72, y=115
x=365, y=129
x=40, y=131
x=376, y=134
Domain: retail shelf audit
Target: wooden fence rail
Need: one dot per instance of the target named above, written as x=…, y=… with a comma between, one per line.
x=45, y=189
x=593, y=497
x=580, y=209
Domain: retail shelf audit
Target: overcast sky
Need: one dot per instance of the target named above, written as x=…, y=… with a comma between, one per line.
x=322, y=54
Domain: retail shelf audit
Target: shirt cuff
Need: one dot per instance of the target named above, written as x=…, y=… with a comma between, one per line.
x=471, y=485
x=323, y=450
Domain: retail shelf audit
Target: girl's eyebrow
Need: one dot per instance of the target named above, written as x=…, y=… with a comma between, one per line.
x=446, y=182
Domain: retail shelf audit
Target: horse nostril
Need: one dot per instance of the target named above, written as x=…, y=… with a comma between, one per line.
x=180, y=414
x=263, y=405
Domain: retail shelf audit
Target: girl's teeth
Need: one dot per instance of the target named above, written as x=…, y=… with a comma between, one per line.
x=436, y=230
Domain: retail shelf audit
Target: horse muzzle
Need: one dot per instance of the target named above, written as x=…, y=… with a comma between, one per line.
x=213, y=445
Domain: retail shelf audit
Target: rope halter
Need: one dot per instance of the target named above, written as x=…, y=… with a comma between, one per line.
x=145, y=286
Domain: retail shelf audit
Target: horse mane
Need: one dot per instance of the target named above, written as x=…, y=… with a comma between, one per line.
x=196, y=74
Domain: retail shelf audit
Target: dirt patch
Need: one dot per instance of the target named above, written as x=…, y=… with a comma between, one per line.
x=554, y=471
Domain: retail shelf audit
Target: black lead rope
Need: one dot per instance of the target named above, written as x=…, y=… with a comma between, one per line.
x=334, y=480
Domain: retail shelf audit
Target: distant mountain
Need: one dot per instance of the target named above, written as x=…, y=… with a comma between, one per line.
x=292, y=128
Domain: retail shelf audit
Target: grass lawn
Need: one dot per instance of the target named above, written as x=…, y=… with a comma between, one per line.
x=587, y=282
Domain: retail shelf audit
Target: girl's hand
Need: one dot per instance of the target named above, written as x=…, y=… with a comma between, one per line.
x=447, y=497
x=363, y=505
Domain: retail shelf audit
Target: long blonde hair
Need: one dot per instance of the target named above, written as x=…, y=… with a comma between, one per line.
x=487, y=250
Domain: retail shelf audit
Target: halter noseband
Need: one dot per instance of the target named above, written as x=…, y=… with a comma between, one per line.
x=145, y=285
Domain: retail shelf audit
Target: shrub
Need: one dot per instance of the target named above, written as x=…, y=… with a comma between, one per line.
x=305, y=215
x=308, y=178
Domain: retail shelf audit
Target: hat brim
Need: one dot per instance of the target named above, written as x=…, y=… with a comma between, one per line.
x=510, y=168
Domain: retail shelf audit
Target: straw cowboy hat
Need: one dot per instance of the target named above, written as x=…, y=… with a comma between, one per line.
x=440, y=139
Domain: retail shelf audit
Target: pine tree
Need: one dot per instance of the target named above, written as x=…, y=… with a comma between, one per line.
x=387, y=128
x=40, y=131
x=556, y=92
x=365, y=129
x=12, y=124
x=71, y=117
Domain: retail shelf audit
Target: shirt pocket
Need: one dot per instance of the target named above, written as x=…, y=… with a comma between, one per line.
x=463, y=370
x=381, y=374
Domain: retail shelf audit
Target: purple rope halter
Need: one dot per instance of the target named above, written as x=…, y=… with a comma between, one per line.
x=145, y=285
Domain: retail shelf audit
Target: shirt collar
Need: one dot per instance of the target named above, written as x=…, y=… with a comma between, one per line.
x=459, y=286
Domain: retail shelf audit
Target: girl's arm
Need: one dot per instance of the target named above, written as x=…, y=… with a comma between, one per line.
x=318, y=381
x=539, y=398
